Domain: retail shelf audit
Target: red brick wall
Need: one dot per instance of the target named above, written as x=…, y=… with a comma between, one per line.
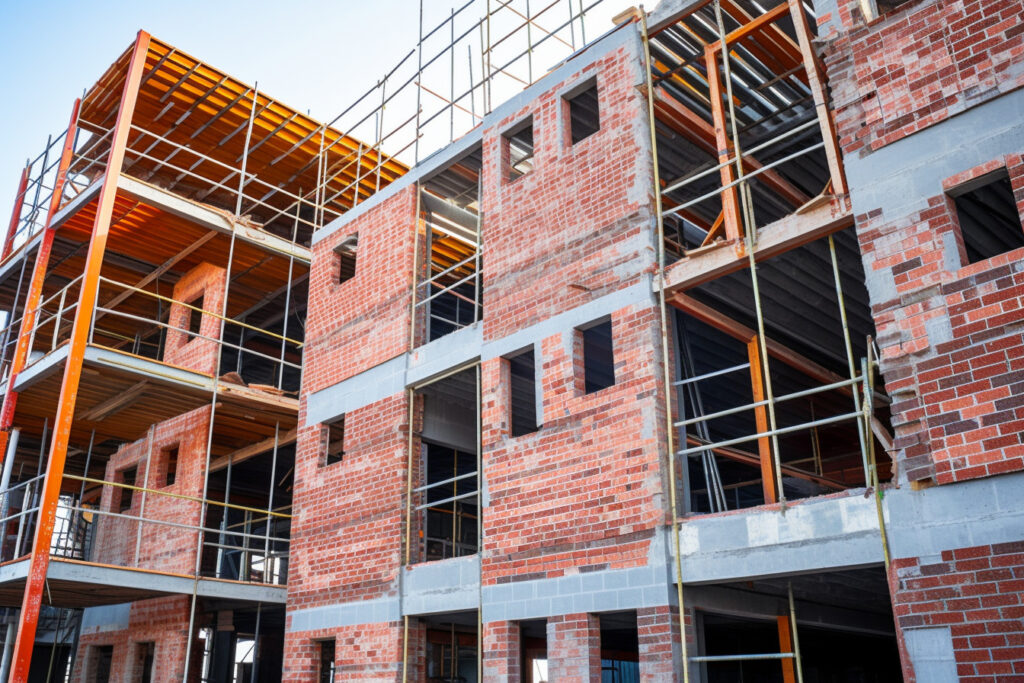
x=364, y=321
x=369, y=652
x=163, y=547
x=574, y=648
x=586, y=490
x=919, y=64
x=976, y=592
x=347, y=529
x=196, y=353
x=567, y=232
x=958, y=411
x=162, y=621
x=502, y=651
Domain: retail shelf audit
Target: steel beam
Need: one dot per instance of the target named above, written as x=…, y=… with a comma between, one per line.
x=40, y=557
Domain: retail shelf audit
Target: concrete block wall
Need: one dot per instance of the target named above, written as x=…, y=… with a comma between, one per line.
x=163, y=622
x=163, y=548
x=181, y=349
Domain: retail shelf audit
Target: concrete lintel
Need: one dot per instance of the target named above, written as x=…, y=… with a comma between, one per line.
x=376, y=611
x=600, y=591
x=442, y=586
x=442, y=355
x=210, y=218
x=818, y=534
x=106, y=618
x=773, y=239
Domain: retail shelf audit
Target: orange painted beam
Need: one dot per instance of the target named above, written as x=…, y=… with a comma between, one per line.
x=19, y=201
x=786, y=647
x=730, y=197
x=816, y=80
x=40, y=558
x=764, y=444
x=35, y=288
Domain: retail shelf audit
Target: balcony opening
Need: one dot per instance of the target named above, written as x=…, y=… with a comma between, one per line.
x=445, y=495
x=731, y=431
x=523, y=399
x=772, y=121
x=746, y=633
x=986, y=210
x=448, y=293
x=248, y=526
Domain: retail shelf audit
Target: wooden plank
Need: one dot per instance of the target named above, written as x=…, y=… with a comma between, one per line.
x=252, y=450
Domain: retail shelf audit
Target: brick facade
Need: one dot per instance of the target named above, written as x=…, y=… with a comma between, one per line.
x=976, y=592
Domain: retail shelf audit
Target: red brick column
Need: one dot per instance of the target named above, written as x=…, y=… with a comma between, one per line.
x=660, y=653
x=502, y=651
x=574, y=648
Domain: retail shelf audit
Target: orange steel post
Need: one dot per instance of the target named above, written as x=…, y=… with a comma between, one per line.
x=40, y=558
x=35, y=289
x=816, y=81
x=764, y=444
x=730, y=198
x=19, y=201
x=786, y=647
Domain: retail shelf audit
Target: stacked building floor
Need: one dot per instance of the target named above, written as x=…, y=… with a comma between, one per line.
x=698, y=358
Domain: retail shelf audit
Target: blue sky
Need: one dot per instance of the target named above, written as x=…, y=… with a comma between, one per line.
x=311, y=54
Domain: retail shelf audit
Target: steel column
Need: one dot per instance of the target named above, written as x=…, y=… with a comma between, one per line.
x=19, y=201
x=35, y=289
x=764, y=444
x=730, y=197
x=40, y=557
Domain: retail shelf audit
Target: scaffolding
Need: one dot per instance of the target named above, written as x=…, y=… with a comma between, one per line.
x=743, y=142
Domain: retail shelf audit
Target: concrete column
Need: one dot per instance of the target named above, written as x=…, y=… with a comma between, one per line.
x=660, y=652
x=574, y=648
x=502, y=651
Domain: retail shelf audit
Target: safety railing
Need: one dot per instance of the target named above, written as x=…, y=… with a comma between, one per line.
x=152, y=531
x=19, y=507
x=695, y=430
x=233, y=186
x=33, y=203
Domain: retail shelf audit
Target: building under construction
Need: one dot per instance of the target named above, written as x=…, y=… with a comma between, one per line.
x=683, y=347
